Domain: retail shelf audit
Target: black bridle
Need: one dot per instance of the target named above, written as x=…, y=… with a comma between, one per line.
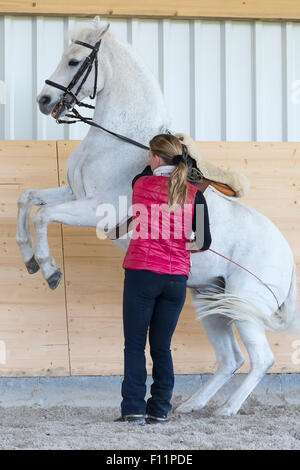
x=66, y=103
x=86, y=66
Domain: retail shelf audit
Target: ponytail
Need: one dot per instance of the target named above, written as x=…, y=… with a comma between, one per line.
x=177, y=188
x=173, y=152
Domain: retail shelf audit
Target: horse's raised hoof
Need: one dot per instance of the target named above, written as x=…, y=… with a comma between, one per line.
x=54, y=279
x=32, y=266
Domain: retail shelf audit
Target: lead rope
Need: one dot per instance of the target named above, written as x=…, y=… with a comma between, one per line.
x=266, y=285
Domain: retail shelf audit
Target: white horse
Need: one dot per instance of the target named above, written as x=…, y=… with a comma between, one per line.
x=129, y=101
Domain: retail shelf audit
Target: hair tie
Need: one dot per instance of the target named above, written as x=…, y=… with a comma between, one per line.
x=180, y=158
x=176, y=159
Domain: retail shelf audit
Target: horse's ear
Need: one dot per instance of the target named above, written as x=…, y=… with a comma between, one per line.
x=96, y=22
x=96, y=34
x=104, y=30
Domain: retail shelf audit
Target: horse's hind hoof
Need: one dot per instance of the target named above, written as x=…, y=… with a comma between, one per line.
x=32, y=266
x=224, y=412
x=54, y=279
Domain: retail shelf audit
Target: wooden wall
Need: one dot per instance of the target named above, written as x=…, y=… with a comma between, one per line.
x=77, y=329
x=267, y=9
x=33, y=321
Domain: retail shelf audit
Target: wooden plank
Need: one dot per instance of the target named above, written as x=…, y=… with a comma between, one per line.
x=94, y=275
x=266, y=9
x=32, y=318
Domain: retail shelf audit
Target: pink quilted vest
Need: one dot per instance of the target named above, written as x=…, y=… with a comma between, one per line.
x=159, y=237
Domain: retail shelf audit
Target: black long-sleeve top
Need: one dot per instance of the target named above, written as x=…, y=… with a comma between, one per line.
x=199, y=199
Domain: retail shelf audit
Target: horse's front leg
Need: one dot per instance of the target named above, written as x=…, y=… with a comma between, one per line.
x=75, y=213
x=35, y=197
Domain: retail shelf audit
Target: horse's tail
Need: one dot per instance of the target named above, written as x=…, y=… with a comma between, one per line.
x=217, y=300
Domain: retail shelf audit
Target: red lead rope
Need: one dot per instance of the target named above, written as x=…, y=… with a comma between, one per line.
x=266, y=285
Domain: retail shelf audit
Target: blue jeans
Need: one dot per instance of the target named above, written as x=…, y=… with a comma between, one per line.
x=153, y=301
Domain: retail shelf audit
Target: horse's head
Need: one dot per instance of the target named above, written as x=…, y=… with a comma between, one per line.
x=78, y=62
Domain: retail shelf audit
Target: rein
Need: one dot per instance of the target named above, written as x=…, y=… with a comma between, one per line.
x=94, y=124
x=64, y=103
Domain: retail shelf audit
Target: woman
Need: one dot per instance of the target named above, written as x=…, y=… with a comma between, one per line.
x=157, y=266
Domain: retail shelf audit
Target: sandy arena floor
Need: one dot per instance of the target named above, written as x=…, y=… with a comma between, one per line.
x=255, y=427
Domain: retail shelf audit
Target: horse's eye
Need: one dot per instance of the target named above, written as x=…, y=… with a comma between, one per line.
x=73, y=62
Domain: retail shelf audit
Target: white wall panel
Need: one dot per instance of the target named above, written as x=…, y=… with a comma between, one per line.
x=119, y=27
x=176, y=72
x=269, y=99
x=238, y=80
x=293, y=81
x=222, y=80
x=207, y=52
x=2, y=76
x=145, y=39
x=18, y=78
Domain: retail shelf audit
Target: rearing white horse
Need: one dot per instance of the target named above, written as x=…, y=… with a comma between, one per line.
x=129, y=101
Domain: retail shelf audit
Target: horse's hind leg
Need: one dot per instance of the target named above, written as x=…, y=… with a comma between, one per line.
x=261, y=359
x=218, y=330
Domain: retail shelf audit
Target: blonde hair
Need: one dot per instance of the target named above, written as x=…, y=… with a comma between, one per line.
x=167, y=146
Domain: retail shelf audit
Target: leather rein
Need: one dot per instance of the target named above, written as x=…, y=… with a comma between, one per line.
x=67, y=103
